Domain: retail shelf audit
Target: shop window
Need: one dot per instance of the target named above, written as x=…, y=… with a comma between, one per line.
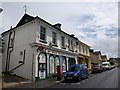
x=71, y=61
x=63, y=64
x=51, y=65
x=57, y=62
x=42, y=58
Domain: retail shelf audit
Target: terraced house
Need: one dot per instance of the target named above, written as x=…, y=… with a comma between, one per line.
x=104, y=58
x=95, y=57
x=83, y=54
x=34, y=48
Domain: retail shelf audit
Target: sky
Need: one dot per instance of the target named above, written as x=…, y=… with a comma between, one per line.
x=95, y=22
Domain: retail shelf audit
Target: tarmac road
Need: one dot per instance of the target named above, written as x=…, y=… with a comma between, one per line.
x=106, y=79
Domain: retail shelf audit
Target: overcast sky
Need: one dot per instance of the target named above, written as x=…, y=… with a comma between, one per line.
x=95, y=23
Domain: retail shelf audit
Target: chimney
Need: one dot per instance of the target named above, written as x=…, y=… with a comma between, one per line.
x=91, y=50
x=58, y=25
x=72, y=35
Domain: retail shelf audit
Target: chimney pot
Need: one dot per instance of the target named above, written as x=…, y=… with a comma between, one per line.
x=58, y=25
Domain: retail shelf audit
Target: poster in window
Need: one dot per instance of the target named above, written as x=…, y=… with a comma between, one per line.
x=42, y=58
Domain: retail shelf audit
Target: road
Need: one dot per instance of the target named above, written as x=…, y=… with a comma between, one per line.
x=106, y=79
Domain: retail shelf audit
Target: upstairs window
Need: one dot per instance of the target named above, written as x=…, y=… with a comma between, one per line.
x=54, y=38
x=42, y=33
x=63, y=41
x=87, y=50
x=83, y=50
x=71, y=45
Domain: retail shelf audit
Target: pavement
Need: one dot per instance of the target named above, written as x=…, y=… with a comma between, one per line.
x=19, y=82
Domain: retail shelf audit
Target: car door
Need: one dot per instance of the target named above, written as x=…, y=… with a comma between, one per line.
x=82, y=72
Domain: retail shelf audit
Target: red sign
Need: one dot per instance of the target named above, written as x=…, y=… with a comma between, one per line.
x=40, y=48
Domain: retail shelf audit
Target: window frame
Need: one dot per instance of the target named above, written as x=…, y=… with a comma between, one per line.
x=62, y=41
x=71, y=45
x=42, y=33
x=54, y=37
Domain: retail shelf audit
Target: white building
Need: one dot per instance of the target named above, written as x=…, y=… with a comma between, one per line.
x=34, y=48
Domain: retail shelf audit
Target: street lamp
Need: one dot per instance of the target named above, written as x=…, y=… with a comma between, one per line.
x=1, y=10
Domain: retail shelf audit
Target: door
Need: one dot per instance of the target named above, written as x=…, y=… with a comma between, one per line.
x=42, y=68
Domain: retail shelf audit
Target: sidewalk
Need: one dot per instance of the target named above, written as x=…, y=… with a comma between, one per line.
x=39, y=84
x=17, y=82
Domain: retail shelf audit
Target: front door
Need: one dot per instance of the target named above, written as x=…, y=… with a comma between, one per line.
x=42, y=68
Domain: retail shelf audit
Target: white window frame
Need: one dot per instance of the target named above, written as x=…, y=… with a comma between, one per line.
x=54, y=36
x=42, y=33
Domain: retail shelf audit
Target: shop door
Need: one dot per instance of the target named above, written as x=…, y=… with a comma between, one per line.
x=42, y=66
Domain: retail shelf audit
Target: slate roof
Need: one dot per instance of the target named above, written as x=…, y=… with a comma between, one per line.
x=27, y=18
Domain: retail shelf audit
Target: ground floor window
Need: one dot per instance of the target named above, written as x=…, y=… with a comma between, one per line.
x=57, y=62
x=42, y=66
x=64, y=64
x=51, y=60
x=71, y=61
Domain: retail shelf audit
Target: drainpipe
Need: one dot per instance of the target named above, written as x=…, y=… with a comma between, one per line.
x=9, y=51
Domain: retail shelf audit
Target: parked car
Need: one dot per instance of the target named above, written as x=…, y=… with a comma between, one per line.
x=76, y=72
x=106, y=65
x=112, y=66
x=97, y=68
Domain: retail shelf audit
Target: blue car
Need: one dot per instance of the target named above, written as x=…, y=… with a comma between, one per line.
x=76, y=72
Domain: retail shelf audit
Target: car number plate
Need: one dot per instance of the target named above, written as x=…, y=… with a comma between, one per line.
x=69, y=77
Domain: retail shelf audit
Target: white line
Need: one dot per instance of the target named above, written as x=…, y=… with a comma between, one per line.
x=83, y=81
x=73, y=83
x=78, y=83
x=62, y=83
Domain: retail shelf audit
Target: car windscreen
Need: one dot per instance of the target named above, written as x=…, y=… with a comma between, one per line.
x=105, y=64
x=74, y=69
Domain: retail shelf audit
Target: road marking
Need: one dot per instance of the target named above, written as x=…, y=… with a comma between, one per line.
x=73, y=83
x=78, y=83
x=83, y=81
x=62, y=83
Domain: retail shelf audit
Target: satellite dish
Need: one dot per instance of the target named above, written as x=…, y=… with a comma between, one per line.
x=1, y=10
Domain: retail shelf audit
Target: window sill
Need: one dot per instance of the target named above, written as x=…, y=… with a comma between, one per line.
x=72, y=50
x=63, y=47
x=42, y=41
x=55, y=45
